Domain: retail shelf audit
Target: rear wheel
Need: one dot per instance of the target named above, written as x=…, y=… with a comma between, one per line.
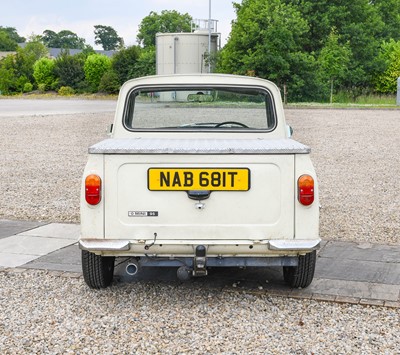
x=302, y=274
x=97, y=270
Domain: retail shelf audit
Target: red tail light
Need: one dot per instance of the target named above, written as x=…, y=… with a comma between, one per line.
x=93, y=189
x=305, y=190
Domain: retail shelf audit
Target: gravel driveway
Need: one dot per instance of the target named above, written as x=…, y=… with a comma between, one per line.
x=356, y=155
x=44, y=314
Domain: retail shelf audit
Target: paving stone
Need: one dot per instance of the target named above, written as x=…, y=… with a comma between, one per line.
x=392, y=304
x=15, y=260
x=56, y=230
x=53, y=267
x=299, y=295
x=27, y=245
x=69, y=255
x=347, y=299
x=357, y=289
x=359, y=270
x=325, y=298
x=362, y=252
x=9, y=228
x=370, y=302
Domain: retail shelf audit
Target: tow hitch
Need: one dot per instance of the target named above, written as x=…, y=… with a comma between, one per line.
x=185, y=272
x=200, y=260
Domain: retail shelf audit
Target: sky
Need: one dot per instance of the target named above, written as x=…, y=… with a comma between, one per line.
x=80, y=16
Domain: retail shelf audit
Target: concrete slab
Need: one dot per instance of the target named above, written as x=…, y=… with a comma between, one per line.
x=15, y=260
x=361, y=251
x=23, y=242
x=343, y=268
x=67, y=259
x=367, y=290
x=56, y=230
x=9, y=228
x=27, y=245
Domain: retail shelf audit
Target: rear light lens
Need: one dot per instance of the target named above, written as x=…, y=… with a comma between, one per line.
x=93, y=189
x=305, y=186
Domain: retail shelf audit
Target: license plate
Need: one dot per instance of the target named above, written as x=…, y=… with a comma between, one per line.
x=185, y=179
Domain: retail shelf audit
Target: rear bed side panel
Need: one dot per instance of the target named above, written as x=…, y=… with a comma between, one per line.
x=306, y=217
x=92, y=217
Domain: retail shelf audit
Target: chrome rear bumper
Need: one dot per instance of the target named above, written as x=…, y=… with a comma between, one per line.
x=215, y=247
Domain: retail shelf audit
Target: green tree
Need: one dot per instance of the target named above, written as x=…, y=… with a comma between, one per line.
x=43, y=72
x=17, y=69
x=109, y=82
x=267, y=39
x=146, y=63
x=9, y=39
x=95, y=67
x=36, y=50
x=358, y=22
x=63, y=39
x=24, y=60
x=6, y=42
x=50, y=39
x=166, y=22
x=107, y=37
x=124, y=63
x=334, y=59
x=12, y=33
x=386, y=81
x=69, y=71
x=7, y=80
x=389, y=11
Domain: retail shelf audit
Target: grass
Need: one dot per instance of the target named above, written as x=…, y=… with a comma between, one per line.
x=344, y=101
x=54, y=95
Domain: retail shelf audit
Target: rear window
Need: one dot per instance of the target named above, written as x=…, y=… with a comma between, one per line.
x=200, y=108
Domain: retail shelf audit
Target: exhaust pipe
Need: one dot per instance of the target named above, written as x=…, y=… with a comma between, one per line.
x=132, y=268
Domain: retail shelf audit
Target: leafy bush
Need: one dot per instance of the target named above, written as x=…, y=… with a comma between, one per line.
x=109, y=82
x=95, y=67
x=146, y=63
x=386, y=81
x=69, y=70
x=42, y=88
x=7, y=81
x=28, y=87
x=7, y=43
x=43, y=72
x=124, y=62
x=20, y=83
x=66, y=91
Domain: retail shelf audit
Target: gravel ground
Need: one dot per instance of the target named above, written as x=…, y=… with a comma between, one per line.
x=355, y=153
x=62, y=316
x=357, y=157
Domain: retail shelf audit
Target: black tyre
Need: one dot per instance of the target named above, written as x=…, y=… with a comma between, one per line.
x=97, y=270
x=302, y=274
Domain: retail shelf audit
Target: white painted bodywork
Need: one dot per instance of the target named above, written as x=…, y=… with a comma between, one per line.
x=266, y=220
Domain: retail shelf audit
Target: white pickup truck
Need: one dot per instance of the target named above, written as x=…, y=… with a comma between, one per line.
x=199, y=172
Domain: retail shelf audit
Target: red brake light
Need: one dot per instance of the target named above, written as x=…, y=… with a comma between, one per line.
x=305, y=190
x=93, y=189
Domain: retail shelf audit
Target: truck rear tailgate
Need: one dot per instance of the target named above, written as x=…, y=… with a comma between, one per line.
x=262, y=209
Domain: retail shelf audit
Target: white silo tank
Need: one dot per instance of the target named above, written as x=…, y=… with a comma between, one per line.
x=184, y=53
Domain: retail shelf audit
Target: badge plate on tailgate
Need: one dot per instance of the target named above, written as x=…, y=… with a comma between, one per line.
x=212, y=179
